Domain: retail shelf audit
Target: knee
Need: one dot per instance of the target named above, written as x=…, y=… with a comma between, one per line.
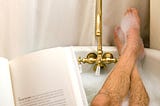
x=100, y=100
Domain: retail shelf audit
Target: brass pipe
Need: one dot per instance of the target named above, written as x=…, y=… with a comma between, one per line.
x=98, y=17
x=99, y=30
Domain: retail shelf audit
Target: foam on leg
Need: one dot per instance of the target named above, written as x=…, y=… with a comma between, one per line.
x=130, y=20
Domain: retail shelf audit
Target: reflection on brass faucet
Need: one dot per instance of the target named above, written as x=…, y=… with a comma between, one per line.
x=99, y=59
x=92, y=58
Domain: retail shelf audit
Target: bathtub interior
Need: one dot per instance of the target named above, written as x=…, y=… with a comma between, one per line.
x=149, y=71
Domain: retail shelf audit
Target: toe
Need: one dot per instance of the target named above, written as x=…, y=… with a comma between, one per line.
x=134, y=11
x=128, y=10
x=135, y=14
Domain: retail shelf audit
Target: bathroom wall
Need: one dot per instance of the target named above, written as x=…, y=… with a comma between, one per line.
x=113, y=13
x=155, y=24
x=32, y=25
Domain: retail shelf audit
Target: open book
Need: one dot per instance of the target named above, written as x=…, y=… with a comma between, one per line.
x=45, y=78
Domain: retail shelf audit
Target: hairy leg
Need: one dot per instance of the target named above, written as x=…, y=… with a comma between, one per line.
x=138, y=94
x=117, y=85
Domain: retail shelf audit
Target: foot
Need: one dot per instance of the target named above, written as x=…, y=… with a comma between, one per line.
x=119, y=39
x=129, y=33
x=130, y=20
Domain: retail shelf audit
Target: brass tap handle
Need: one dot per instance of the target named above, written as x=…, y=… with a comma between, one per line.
x=108, y=58
x=86, y=60
x=91, y=59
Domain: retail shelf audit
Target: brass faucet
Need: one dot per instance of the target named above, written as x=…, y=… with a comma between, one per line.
x=99, y=59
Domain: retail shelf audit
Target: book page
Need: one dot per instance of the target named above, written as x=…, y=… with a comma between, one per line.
x=6, y=94
x=43, y=79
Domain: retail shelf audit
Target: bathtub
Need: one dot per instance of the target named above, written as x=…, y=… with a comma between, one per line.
x=149, y=71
